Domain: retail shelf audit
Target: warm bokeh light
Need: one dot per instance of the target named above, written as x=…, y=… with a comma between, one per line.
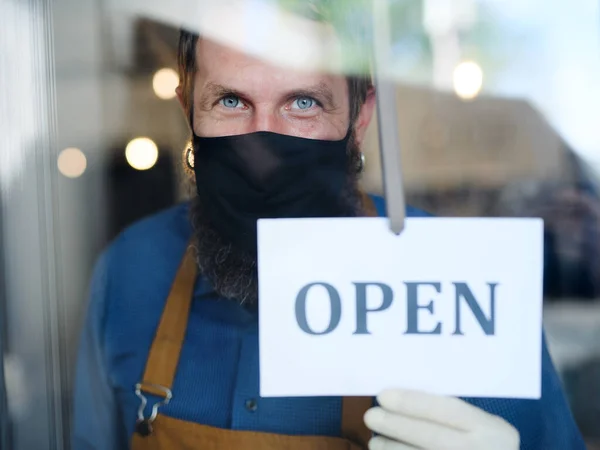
x=141, y=153
x=468, y=80
x=72, y=162
x=165, y=82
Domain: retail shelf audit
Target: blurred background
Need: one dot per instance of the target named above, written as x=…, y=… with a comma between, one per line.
x=499, y=106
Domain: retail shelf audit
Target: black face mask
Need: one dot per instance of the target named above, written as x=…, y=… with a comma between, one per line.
x=243, y=178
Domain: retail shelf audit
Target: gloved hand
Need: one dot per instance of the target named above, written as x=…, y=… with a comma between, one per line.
x=415, y=420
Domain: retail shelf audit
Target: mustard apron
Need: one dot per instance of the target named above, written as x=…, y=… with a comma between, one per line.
x=160, y=432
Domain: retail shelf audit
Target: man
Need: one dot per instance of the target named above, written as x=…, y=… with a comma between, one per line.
x=169, y=358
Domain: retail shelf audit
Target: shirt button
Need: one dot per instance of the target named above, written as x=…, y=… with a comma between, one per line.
x=251, y=405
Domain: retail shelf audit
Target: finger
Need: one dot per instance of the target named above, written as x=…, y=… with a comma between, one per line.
x=382, y=443
x=420, y=433
x=444, y=410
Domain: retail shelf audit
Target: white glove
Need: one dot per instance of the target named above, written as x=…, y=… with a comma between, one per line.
x=416, y=420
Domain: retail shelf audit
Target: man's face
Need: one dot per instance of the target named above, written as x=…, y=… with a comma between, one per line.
x=238, y=94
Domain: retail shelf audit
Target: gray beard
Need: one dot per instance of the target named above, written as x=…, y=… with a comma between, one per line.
x=233, y=272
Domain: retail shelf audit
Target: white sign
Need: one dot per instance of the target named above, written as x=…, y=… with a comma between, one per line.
x=450, y=306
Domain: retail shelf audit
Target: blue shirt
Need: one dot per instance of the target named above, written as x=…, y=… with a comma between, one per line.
x=218, y=372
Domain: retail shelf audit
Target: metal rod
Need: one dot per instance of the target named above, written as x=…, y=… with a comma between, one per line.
x=387, y=115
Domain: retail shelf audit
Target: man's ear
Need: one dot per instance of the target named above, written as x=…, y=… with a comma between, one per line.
x=179, y=92
x=184, y=101
x=364, y=116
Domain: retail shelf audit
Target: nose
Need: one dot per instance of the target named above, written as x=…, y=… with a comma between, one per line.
x=266, y=119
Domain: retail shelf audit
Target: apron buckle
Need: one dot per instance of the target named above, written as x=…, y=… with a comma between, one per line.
x=143, y=425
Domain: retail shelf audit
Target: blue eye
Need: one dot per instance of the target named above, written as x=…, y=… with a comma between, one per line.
x=231, y=101
x=304, y=103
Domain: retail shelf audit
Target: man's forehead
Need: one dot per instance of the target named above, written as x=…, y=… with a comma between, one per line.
x=220, y=63
x=263, y=31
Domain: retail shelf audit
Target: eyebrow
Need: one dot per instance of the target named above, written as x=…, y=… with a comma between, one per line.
x=320, y=91
x=213, y=91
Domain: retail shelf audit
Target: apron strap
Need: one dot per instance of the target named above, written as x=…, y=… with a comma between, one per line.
x=369, y=209
x=353, y=424
x=161, y=365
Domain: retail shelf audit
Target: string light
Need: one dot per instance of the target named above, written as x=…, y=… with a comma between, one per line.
x=72, y=162
x=141, y=153
x=164, y=83
x=468, y=80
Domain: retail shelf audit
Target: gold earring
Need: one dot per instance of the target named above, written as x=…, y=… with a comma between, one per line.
x=189, y=158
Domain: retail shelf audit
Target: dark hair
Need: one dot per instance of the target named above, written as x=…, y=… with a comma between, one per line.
x=358, y=85
x=186, y=62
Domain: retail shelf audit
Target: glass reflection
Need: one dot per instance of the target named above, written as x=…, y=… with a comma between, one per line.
x=497, y=113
